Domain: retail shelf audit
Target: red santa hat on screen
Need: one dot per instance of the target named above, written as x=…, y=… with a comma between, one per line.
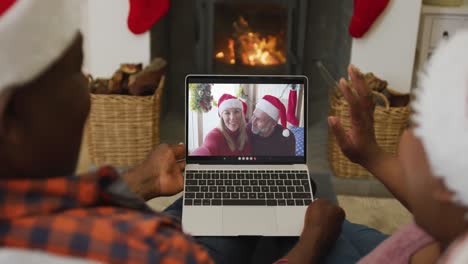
x=229, y=101
x=274, y=108
x=34, y=34
x=441, y=114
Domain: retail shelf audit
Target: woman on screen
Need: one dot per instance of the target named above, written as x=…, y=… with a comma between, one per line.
x=230, y=138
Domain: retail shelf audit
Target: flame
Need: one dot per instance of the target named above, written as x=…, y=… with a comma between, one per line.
x=251, y=48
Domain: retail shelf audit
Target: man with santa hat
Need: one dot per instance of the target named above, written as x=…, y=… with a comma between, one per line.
x=267, y=136
x=50, y=215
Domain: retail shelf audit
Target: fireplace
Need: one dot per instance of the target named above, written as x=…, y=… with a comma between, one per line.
x=193, y=32
x=250, y=37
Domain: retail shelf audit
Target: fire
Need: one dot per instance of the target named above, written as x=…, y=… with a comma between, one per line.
x=251, y=48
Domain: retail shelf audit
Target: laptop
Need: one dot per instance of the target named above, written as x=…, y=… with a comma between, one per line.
x=259, y=185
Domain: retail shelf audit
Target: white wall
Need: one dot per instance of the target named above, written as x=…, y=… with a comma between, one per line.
x=388, y=49
x=107, y=39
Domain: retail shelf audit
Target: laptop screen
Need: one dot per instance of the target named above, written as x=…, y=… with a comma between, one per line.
x=246, y=119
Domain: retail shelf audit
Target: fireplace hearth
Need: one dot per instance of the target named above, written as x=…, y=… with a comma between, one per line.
x=250, y=37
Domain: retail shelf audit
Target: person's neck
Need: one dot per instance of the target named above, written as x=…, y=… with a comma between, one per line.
x=269, y=132
x=233, y=133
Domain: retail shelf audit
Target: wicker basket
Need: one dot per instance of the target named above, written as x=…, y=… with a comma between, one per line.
x=122, y=129
x=389, y=124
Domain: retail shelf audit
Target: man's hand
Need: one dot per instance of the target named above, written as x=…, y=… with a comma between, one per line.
x=160, y=174
x=322, y=226
x=322, y=222
x=358, y=144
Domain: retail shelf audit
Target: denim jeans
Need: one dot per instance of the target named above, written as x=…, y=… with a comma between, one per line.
x=355, y=242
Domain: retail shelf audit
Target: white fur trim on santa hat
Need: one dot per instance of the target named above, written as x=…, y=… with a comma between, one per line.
x=34, y=34
x=441, y=114
x=457, y=252
x=268, y=108
x=461, y=256
x=229, y=103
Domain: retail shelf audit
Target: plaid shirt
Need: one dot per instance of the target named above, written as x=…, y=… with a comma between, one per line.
x=79, y=216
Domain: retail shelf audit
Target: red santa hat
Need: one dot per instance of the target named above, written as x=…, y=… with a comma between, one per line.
x=229, y=101
x=35, y=33
x=274, y=108
x=441, y=114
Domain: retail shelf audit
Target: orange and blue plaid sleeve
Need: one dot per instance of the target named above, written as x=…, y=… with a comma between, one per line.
x=178, y=248
x=75, y=216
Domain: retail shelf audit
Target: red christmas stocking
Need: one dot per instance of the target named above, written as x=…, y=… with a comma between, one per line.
x=364, y=15
x=292, y=104
x=5, y=5
x=144, y=13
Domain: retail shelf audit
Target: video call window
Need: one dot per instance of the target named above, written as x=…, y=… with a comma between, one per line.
x=229, y=119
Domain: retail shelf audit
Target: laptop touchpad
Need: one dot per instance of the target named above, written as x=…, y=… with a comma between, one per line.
x=245, y=220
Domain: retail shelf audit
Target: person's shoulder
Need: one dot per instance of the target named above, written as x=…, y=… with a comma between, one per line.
x=278, y=132
x=213, y=138
x=292, y=136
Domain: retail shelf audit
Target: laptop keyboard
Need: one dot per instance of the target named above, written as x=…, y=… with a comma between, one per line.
x=247, y=187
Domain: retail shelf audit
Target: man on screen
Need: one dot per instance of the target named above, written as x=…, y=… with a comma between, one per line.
x=268, y=138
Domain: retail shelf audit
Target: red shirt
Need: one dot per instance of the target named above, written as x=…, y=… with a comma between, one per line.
x=216, y=145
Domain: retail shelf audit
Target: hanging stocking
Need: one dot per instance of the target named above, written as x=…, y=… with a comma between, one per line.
x=364, y=14
x=144, y=13
x=292, y=105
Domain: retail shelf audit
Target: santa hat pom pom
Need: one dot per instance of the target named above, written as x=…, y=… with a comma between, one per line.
x=286, y=133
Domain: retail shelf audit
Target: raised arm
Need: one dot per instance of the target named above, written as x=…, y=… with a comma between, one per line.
x=359, y=143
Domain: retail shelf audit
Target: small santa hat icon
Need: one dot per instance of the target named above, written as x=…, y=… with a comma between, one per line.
x=273, y=107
